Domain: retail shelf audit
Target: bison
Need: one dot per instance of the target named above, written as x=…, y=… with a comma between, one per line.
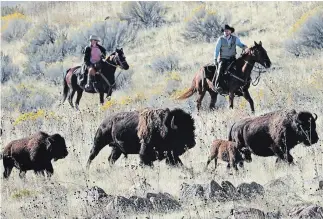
x=154, y=134
x=275, y=133
x=228, y=151
x=33, y=153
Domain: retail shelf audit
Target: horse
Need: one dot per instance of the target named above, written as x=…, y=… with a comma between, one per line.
x=105, y=78
x=238, y=78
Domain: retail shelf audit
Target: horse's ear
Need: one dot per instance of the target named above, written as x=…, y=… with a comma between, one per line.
x=121, y=49
x=260, y=43
x=256, y=43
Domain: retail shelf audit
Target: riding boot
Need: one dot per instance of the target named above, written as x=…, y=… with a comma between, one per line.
x=217, y=80
x=88, y=85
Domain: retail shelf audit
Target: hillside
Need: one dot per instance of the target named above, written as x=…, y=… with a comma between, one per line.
x=31, y=90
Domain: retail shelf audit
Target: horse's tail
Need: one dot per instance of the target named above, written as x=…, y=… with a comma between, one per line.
x=187, y=93
x=65, y=86
x=230, y=133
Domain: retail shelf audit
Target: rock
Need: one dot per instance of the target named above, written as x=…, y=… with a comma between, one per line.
x=163, y=202
x=215, y=192
x=250, y=190
x=95, y=197
x=105, y=216
x=306, y=212
x=230, y=190
x=121, y=204
x=321, y=185
x=246, y=213
x=273, y=215
x=142, y=204
x=188, y=192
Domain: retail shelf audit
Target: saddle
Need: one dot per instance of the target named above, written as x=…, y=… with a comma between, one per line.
x=82, y=77
x=225, y=79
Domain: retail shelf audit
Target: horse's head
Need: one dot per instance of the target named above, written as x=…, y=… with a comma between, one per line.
x=120, y=59
x=260, y=55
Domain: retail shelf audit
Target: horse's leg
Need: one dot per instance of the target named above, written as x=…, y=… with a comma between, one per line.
x=78, y=98
x=70, y=96
x=231, y=97
x=199, y=99
x=101, y=98
x=247, y=96
x=213, y=99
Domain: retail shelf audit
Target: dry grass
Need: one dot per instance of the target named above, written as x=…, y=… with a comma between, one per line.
x=294, y=84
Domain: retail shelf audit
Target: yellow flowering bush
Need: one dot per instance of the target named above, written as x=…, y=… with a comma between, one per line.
x=298, y=24
x=31, y=116
x=6, y=19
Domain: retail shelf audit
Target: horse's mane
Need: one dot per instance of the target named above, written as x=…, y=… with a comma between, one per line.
x=243, y=55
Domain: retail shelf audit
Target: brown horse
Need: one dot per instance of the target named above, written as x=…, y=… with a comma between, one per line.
x=105, y=81
x=238, y=78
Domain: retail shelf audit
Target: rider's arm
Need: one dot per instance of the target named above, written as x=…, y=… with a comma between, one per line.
x=217, y=49
x=103, y=51
x=240, y=44
x=87, y=55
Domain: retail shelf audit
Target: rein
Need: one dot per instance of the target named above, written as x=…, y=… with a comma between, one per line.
x=259, y=70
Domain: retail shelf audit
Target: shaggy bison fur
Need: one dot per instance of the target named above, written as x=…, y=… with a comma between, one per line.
x=154, y=134
x=33, y=153
x=228, y=151
x=275, y=133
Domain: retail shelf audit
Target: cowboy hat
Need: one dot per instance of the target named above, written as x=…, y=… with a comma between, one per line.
x=227, y=27
x=94, y=37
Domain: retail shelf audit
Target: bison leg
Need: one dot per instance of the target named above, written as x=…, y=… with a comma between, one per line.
x=173, y=159
x=247, y=96
x=22, y=174
x=8, y=164
x=278, y=152
x=39, y=172
x=145, y=155
x=209, y=161
x=49, y=170
x=114, y=156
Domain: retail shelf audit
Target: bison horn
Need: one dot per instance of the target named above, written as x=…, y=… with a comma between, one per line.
x=315, y=117
x=172, y=125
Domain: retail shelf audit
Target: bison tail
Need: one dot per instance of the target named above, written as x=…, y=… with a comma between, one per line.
x=65, y=87
x=187, y=94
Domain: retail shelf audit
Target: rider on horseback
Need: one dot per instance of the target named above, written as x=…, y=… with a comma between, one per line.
x=226, y=48
x=92, y=56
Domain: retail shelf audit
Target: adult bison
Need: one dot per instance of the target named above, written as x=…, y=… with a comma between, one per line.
x=33, y=153
x=275, y=133
x=154, y=134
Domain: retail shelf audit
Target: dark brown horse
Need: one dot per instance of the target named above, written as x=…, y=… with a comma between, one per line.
x=105, y=80
x=238, y=78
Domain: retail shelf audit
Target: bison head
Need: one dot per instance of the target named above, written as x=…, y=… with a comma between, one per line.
x=56, y=147
x=306, y=128
x=246, y=154
x=182, y=128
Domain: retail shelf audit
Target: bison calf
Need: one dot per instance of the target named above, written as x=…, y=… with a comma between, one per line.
x=33, y=153
x=228, y=152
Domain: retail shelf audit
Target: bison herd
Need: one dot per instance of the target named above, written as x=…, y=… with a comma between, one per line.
x=164, y=134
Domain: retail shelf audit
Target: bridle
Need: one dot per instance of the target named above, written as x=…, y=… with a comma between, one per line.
x=258, y=70
x=114, y=59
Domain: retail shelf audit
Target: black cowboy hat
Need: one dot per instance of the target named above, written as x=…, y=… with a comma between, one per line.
x=227, y=27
